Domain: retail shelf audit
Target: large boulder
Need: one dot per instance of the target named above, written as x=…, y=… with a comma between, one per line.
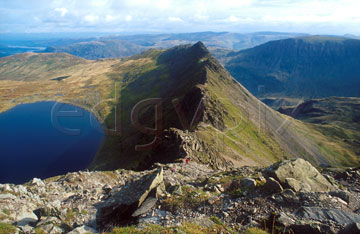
x=25, y=217
x=123, y=206
x=322, y=215
x=299, y=175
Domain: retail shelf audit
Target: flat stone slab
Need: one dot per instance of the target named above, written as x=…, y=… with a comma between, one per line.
x=321, y=214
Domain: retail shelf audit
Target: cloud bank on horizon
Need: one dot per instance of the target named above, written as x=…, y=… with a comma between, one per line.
x=138, y=16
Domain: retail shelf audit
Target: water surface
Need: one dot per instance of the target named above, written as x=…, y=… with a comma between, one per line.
x=46, y=139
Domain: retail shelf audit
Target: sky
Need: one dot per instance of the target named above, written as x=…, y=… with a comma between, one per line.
x=158, y=16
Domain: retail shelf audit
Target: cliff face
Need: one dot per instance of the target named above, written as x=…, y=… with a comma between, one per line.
x=308, y=67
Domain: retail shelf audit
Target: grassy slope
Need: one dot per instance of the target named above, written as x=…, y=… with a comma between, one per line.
x=247, y=137
x=31, y=66
x=338, y=121
x=29, y=77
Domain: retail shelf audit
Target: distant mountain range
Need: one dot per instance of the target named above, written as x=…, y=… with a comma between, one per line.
x=308, y=67
x=219, y=43
x=122, y=46
x=274, y=65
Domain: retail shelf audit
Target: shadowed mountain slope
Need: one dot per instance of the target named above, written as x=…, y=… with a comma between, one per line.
x=309, y=67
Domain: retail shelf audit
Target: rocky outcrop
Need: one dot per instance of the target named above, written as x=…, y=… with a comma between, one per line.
x=299, y=175
x=171, y=194
x=184, y=144
x=131, y=201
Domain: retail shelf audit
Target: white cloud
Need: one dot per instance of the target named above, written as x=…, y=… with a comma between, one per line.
x=63, y=11
x=174, y=19
x=110, y=18
x=128, y=18
x=234, y=19
x=196, y=15
x=91, y=18
x=233, y=3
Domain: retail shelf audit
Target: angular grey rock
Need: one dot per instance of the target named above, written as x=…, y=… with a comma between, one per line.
x=353, y=228
x=340, y=194
x=248, y=182
x=7, y=196
x=301, y=171
x=297, y=186
x=82, y=230
x=22, y=189
x=27, y=229
x=285, y=219
x=202, y=221
x=339, y=216
x=148, y=204
x=38, y=182
x=26, y=218
x=52, y=229
x=119, y=208
x=307, y=227
x=47, y=220
x=6, y=187
x=272, y=186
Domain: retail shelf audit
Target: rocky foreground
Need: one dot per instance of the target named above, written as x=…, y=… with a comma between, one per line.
x=287, y=197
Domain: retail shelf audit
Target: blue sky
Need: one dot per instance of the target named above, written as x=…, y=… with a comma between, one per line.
x=135, y=16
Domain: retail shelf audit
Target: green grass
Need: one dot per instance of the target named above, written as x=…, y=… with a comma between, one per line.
x=7, y=228
x=6, y=211
x=188, y=228
x=255, y=231
x=70, y=215
x=38, y=230
x=191, y=198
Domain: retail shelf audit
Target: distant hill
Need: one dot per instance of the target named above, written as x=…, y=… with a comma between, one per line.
x=307, y=67
x=99, y=49
x=34, y=66
x=11, y=50
x=225, y=40
x=126, y=45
